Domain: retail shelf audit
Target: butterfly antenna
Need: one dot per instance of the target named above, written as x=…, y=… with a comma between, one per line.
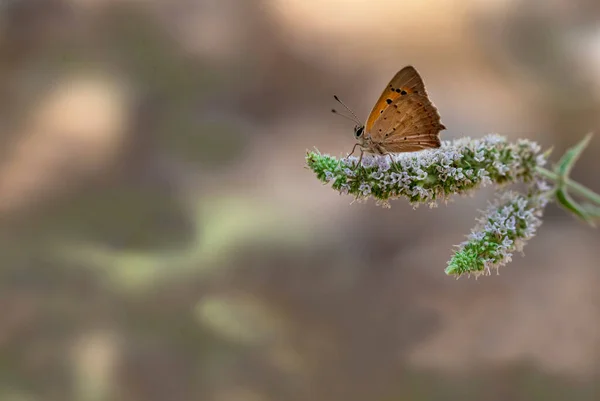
x=347, y=108
x=334, y=111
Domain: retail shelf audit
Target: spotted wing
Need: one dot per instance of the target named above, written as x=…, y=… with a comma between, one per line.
x=406, y=81
x=411, y=123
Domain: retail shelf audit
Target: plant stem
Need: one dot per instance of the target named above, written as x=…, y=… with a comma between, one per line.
x=577, y=188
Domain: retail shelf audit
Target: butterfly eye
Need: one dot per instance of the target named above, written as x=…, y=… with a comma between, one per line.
x=358, y=131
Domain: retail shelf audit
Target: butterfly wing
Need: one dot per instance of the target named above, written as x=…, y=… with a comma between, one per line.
x=409, y=124
x=406, y=81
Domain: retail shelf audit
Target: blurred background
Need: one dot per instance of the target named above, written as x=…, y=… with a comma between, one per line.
x=160, y=238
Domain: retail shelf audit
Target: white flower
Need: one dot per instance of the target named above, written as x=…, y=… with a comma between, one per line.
x=351, y=161
x=421, y=175
x=368, y=161
x=431, y=175
x=349, y=172
x=384, y=164
x=503, y=228
x=378, y=175
x=365, y=189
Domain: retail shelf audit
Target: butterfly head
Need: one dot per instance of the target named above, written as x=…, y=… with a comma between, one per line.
x=358, y=131
x=359, y=128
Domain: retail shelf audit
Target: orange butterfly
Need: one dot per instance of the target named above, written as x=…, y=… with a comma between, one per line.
x=402, y=120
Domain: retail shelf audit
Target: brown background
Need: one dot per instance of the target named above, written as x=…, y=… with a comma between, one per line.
x=160, y=238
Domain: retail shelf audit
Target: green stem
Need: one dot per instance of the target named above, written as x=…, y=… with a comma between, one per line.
x=572, y=185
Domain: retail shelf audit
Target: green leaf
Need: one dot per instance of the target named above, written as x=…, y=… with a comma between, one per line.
x=591, y=210
x=566, y=163
x=565, y=200
x=548, y=152
x=563, y=169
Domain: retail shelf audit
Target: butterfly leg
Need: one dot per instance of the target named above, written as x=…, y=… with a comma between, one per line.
x=360, y=158
x=361, y=154
x=391, y=159
x=353, y=149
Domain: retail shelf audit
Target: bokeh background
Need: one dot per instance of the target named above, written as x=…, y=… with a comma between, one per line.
x=160, y=238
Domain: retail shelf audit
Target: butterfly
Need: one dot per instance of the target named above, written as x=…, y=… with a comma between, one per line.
x=402, y=120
